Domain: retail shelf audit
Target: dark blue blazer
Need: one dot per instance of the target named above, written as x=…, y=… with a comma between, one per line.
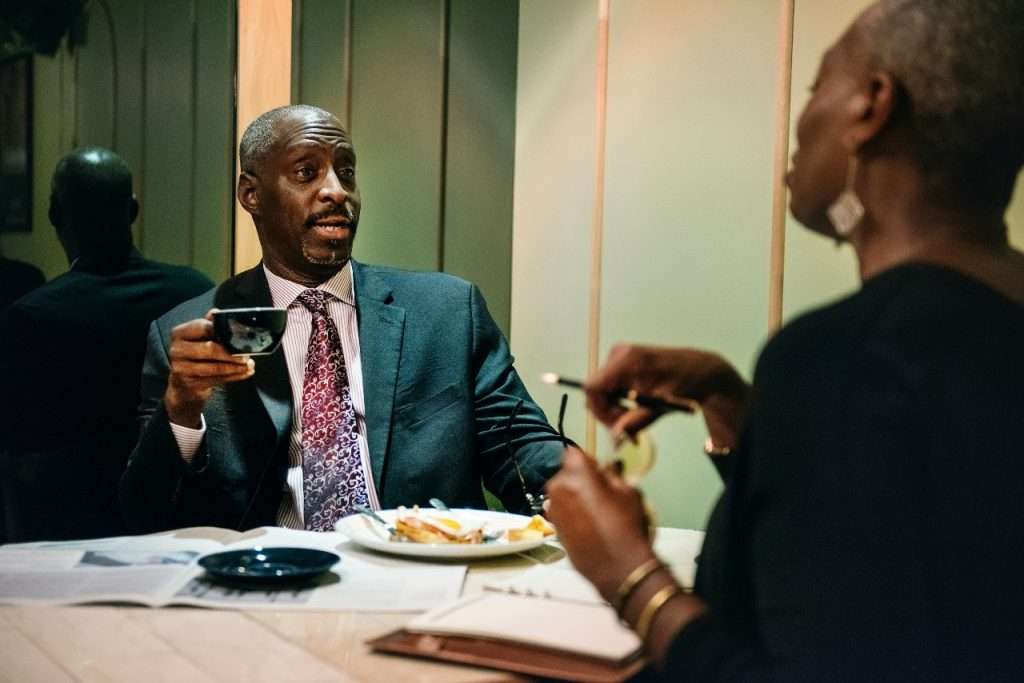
x=439, y=388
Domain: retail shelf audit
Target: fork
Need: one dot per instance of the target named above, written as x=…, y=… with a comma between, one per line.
x=362, y=509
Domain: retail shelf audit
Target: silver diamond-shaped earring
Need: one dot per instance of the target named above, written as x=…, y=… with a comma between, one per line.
x=847, y=211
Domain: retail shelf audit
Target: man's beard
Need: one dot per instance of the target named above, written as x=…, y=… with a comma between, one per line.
x=337, y=253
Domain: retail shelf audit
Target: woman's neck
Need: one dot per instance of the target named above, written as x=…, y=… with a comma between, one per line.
x=940, y=241
x=974, y=244
x=904, y=223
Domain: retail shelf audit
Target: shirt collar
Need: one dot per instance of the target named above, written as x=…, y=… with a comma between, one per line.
x=284, y=292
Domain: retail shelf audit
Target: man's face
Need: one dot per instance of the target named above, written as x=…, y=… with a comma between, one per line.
x=304, y=201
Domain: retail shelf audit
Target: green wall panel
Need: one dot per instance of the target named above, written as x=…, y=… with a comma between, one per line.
x=169, y=144
x=40, y=246
x=688, y=204
x=321, y=55
x=479, y=169
x=129, y=20
x=68, y=85
x=397, y=77
x=414, y=120
x=95, y=106
x=554, y=197
x=213, y=178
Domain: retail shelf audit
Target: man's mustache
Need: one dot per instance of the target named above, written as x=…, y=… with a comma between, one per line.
x=347, y=214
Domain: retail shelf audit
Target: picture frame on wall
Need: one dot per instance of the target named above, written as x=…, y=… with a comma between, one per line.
x=16, y=144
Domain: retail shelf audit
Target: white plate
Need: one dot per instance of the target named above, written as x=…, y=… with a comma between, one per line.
x=369, y=533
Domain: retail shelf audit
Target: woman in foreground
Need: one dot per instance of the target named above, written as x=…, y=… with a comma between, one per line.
x=872, y=524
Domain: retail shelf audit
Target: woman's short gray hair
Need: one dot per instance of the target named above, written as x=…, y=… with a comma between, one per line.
x=960, y=68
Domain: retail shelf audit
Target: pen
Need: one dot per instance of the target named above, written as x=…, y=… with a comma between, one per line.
x=661, y=405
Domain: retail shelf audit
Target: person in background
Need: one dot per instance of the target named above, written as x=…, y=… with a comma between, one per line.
x=390, y=387
x=70, y=356
x=16, y=280
x=872, y=520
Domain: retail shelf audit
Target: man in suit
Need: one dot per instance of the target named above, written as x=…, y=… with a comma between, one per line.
x=390, y=386
x=70, y=356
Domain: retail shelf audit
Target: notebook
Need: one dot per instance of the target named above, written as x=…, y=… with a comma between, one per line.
x=540, y=636
x=555, y=581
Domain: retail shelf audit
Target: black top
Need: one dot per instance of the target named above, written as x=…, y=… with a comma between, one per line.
x=16, y=280
x=873, y=525
x=70, y=364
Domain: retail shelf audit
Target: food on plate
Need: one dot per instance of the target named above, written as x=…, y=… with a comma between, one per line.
x=416, y=525
x=537, y=528
x=434, y=526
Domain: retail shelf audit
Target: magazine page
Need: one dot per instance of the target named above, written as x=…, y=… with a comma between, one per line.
x=145, y=570
x=159, y=570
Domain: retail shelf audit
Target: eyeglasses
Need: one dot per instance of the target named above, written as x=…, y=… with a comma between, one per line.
x=535, y=501
x=635, y=456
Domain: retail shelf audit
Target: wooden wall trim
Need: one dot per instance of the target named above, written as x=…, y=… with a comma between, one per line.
x=442, y=172
x=597, y=222
x=296, y=52
x=783, y=94
x=264, y=82
x=194, y=116
x=349, y=18
x=140, y=173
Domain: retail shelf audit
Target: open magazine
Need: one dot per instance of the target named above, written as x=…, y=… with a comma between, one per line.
x=162, y=570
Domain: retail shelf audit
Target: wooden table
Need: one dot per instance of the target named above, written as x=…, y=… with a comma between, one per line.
x=124, y=643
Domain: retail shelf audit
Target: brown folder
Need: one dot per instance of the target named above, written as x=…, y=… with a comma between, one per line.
x=508, y=656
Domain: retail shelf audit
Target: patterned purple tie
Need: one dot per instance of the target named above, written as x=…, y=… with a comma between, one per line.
x=332, y=469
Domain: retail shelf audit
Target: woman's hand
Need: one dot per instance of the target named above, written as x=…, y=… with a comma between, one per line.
x=601, y=523
x=600, y=520
x=669, y=373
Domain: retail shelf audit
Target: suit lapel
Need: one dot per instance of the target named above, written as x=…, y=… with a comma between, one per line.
x=381, y=326
x=250, y=289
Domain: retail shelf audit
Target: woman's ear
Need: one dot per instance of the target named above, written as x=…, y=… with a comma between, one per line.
x=247, y=193
x=871, y=109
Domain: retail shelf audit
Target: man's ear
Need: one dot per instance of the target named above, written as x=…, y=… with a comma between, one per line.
x=871, y=109
x=133, y=210
x=247, y=193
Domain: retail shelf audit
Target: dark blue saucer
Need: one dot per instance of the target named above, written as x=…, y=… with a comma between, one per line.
x=268, y=566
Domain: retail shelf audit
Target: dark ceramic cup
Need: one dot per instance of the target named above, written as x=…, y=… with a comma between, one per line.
x=250, y=331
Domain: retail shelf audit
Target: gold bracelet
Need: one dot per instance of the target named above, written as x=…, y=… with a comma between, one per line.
x=632, y=580
x=657, y=601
